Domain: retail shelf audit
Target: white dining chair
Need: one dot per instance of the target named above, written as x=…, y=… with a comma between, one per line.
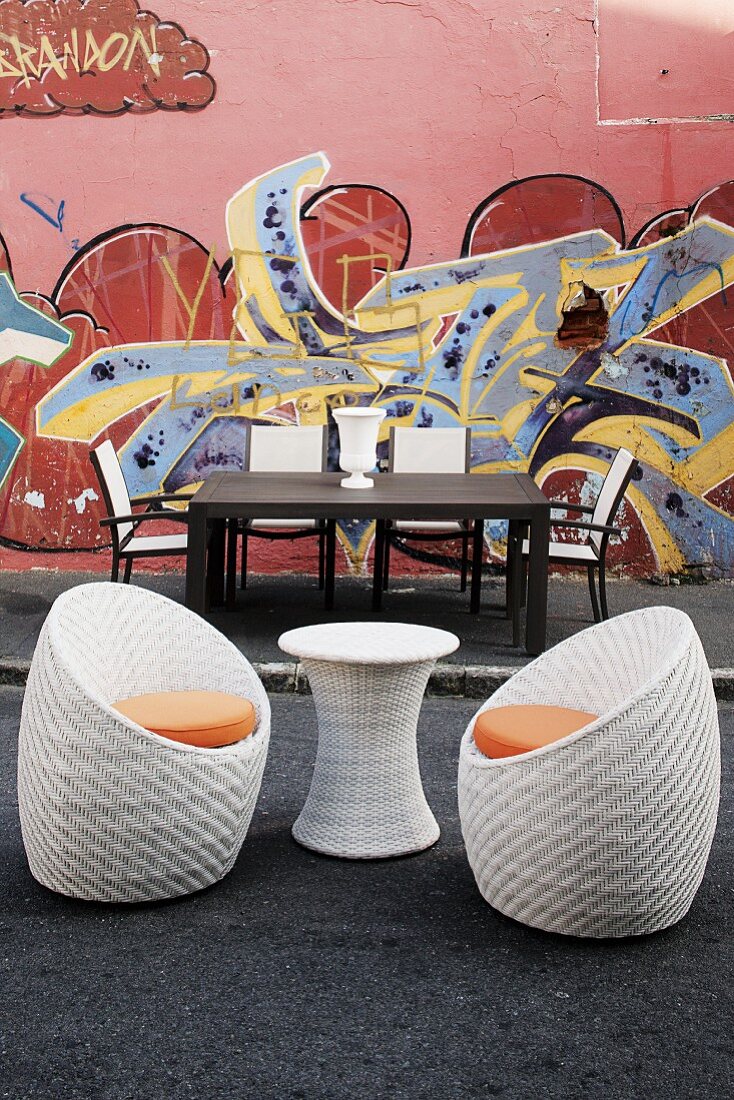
x=428, y=451
x=127, y=544
x=591, y=553
x=274, y=448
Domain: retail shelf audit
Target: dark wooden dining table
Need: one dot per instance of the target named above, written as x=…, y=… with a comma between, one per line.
x=226, y=497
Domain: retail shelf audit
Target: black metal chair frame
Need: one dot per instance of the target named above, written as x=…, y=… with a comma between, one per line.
x=517, y=573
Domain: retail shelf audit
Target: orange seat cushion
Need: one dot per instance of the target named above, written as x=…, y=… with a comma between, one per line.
x=208, y=719
x=509, y=731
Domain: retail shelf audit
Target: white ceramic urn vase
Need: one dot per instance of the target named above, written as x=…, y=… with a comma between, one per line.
x=358, y=428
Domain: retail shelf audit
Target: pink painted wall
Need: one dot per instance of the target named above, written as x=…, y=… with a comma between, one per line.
x=438, y=101
x=665, y=59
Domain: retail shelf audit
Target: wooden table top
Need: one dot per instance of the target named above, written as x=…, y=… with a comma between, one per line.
x=394, y=496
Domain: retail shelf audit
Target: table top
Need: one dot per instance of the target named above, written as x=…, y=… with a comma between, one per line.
x=394, y=496
x=370, y=643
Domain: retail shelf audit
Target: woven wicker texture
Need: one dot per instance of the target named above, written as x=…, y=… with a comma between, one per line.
x=607, y=832
x=110, y=811
x=366, y=799
x=370, y=643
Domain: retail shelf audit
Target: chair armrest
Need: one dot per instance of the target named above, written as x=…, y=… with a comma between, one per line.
x=140, y=517
x=566, y=506
x=584, y=526
x=161, y=498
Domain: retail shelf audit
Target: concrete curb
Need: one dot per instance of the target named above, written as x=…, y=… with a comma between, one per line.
x=13, y=673
x=456, y=681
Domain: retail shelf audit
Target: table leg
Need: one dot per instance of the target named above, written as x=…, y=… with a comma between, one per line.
x=378, y=565
x=232, y=540
x=366, y=799
x=515, y=576
x=537, y=610
x=330, y=564
x=196, y=559
x=477, y=554
x=509, y=567
x=215, y=569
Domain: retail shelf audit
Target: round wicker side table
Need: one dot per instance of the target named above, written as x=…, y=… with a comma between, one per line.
x=366, y=799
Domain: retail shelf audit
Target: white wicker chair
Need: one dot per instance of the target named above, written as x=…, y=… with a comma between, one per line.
x=605, y=833
x=110, y=811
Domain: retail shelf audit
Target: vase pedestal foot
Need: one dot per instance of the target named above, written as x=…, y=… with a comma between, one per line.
x=357, y=481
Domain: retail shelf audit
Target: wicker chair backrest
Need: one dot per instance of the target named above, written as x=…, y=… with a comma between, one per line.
x=605, y=666
x=115, y=641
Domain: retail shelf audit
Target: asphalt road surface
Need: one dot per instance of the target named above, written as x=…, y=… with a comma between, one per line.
x=300, y=977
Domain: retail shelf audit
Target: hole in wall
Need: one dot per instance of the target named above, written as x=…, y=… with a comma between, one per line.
x=585, y=321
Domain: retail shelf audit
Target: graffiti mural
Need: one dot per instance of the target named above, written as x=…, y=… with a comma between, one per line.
x=25, y=333
x=552, y=340
x=101, y=57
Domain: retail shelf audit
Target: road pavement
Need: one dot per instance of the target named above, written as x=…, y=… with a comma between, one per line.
x=300, y=977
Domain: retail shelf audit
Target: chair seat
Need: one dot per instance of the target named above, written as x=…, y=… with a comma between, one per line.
x=155, y=544
x=512, y=730
x=281, y=524
x=572, y=551
x=207, y=719
x=428, y=526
